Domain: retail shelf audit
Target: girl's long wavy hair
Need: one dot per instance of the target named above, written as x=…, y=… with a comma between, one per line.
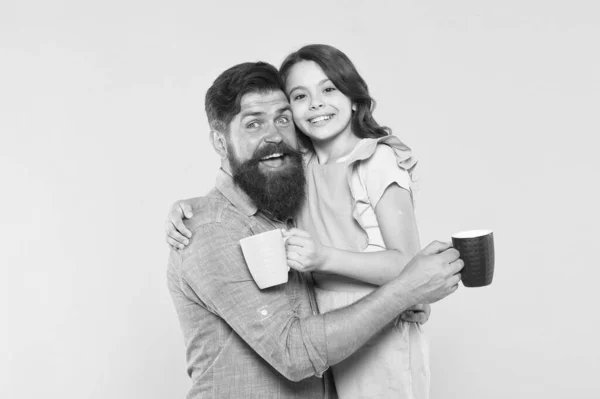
x=343, y=74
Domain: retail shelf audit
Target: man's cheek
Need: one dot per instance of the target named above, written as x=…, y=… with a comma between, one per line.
x=291, y=137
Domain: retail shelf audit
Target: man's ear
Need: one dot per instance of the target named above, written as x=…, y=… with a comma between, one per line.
x=353, y=106
x=219, y=143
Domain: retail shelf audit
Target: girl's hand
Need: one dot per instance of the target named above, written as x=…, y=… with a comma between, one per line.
x=303, y=253
x=177, y=234
x=417, y=314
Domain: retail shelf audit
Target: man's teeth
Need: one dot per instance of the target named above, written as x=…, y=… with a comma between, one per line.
x=320, y=118
x=276, y=155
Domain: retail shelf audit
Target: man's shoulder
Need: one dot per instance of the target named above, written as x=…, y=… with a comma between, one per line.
x=213, y=209
x=216, y=226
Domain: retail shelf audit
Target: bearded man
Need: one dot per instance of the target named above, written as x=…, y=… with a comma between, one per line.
x=242, y=342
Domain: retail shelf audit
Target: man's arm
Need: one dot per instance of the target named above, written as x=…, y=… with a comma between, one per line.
x=432, y=275
x=268, y=321
x=302, y=347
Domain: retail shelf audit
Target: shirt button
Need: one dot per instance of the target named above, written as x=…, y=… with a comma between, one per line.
x=264, y=312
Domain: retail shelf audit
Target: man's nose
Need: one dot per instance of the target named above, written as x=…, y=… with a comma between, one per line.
x=273, y=135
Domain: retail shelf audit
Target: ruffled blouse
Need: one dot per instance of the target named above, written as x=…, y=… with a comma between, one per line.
x=339, y=210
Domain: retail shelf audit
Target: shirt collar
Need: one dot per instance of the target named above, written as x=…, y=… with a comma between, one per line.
x=234, y=193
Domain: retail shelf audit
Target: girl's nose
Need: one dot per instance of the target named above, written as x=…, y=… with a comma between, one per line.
x=316, y=104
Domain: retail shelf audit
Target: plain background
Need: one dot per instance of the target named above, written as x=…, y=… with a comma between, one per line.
x=102, y=128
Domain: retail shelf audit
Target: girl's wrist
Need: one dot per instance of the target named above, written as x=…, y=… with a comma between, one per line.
x=325, y=259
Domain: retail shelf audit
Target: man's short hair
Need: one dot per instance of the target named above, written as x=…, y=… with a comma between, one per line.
x=224, y=97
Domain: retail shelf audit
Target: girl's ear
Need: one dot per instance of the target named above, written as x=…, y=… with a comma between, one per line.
x=353, y=107
x=219, y=143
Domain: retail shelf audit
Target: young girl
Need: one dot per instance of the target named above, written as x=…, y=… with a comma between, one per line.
x=358, y=223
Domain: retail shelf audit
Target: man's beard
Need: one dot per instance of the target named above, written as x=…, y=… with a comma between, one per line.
x=279, y=193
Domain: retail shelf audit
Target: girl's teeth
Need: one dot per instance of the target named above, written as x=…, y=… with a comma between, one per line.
x=320, y=118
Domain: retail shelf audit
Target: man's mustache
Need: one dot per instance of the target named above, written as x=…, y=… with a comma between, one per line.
x=270, y=149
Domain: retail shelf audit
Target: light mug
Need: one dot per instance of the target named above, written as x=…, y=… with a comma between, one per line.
x=266, y=258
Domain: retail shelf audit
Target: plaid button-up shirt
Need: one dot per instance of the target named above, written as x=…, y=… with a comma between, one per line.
x=243, y=342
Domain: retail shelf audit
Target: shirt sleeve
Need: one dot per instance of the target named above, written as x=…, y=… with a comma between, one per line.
x=267, y=320
x=380, y=171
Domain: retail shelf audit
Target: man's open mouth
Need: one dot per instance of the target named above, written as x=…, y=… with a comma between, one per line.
x=274, y=160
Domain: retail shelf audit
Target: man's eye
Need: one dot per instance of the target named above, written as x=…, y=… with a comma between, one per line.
x=284, y=120
x=299, y=97
x=253, y=125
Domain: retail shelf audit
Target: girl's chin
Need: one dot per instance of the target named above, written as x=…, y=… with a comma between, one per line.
x=321, y=134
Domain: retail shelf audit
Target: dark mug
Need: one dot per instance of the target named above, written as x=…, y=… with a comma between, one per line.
x=476, y=249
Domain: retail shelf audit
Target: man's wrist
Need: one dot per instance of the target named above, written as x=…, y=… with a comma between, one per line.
x=402, y=294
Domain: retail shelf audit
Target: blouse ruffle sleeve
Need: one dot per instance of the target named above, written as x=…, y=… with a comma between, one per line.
x=379, y=172
x=372, y=167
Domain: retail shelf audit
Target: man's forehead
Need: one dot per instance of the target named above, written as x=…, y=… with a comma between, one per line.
x=263, y=101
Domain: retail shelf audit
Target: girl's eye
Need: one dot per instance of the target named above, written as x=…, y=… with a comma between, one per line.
x=299, y=97
x=329, y=89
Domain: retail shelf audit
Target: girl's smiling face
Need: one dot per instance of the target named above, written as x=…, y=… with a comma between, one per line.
x=320, y=110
